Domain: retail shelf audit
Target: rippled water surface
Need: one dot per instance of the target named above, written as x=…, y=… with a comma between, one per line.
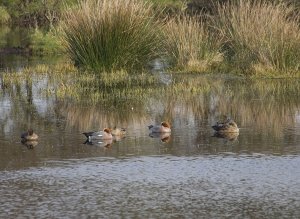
x=155, y=187
x=190, y=174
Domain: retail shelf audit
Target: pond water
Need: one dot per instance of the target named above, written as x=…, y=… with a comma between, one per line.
x=189, y=174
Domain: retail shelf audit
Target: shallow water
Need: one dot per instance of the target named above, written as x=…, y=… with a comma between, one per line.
x=189, y=174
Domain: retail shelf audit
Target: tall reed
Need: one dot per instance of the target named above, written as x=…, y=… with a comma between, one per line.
x=111, y=34
x=261, y=36
x=190, y=45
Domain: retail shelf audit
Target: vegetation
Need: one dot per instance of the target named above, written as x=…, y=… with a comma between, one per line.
x=252, y=37
x=260, y=37
x=35, y=12
x=65, y=81
x=190, y=44
x=106, y=35
x=4, y=15
x=43, y=43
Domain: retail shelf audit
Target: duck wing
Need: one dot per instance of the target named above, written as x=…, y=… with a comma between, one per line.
x=93, y=134
x=220, y=126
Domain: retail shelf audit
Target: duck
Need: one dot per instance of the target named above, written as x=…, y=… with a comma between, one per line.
x=105, y=134
x=229, y=126
x=164, y=127
x=118, y=131
x=29, y=136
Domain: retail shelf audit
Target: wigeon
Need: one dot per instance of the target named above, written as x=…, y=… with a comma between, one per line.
x=226, y=127
x=118, y=131
x=164, y=127
x=105, y=134
x=29, y=136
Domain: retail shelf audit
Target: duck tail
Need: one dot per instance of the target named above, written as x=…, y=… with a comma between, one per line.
x=87, y=134
x=215, y=127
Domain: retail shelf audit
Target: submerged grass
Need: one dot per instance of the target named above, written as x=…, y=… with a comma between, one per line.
x=190, y=44
x=66, y=82
x=260, y=37
x=107, y=35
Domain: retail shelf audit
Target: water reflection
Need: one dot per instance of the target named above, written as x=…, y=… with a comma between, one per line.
x=164, y=137
x=230, y=136
x=29, y=144
x=266, y=111
x=101, y=143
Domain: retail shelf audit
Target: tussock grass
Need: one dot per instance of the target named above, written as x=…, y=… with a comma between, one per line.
x=190, y=44
x=260, y=37
x=110, y=35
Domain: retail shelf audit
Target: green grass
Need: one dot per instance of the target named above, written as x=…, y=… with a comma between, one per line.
x=111, y=34
x=4, y=15
x=43, y=43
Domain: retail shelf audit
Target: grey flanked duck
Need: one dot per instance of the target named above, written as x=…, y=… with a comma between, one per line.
x=29, y=136
x=164, y=127
x=98, y=135
x=229, y=126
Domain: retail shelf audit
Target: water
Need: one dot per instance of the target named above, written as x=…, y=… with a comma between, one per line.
x=189, y=174
x=155, y=187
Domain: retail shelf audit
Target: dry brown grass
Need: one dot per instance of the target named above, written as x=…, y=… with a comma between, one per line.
x=262, y=36
x=190, y=44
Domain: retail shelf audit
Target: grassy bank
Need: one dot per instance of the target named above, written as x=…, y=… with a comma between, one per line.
x=249, y=37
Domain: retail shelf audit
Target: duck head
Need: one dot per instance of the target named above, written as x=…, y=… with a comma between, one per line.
x=166, y=124
x=30, y=131
x=107, y=130
x=233, y=124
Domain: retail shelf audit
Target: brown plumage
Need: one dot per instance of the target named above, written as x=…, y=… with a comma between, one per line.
x=29, y=136
x=225, y=127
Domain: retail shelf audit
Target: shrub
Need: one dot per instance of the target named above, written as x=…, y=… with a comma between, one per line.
x=111, y=34
x=45, y=43
x=4, y=16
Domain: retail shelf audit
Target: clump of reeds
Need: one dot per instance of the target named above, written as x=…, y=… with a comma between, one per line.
x=260, y=36
x=109, y=35
x=190, y=44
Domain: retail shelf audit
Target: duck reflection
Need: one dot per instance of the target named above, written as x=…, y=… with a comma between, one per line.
x=164, y=137
x=29, y=144
x=230, y=136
